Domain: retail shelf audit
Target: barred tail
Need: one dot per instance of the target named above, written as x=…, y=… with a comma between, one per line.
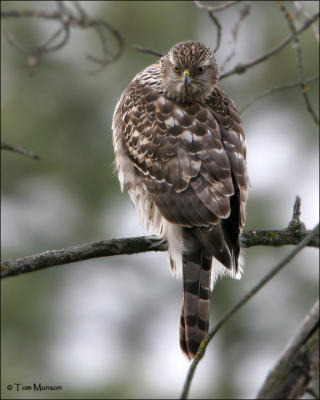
x=194, y=320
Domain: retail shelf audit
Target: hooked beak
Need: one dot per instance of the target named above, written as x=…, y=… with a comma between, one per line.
x=186, y=77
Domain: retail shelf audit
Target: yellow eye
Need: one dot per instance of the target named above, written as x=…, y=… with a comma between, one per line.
x=200, y=70
x=177, y=70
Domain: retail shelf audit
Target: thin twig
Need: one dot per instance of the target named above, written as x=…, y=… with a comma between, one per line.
x=297, y=48
x=80, y=9
x=242, y=68
x=68, y=18
x=20, y=150
x=149, y=51
x=301, y=10
x=240, y=304
x=211, y=12
x=244, y=12
x=276, y=89
x=216, y=8
x=295, y=222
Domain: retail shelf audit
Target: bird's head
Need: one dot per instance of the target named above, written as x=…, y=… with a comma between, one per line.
x=189, y=72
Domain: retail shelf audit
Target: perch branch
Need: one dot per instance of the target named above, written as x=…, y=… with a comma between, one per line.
x=299, y=363
x=68, y=18
x=292, y=235
x=241, y=68
x=20, y=150
x=240, y=304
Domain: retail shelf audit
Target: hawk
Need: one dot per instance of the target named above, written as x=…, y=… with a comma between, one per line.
x=180, y=152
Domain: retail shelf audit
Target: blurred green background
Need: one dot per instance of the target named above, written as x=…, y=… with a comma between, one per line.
x=108, y=328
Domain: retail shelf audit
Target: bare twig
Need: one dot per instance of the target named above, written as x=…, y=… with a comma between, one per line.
x=297, y=48
x=240, y=304
x=242, y=68
x=217, y=8
x=243, y=13
x=99, y=25
x=298, y=365
x=150, y=51
x=211, y=12
x=68, y=18
x=295, y=222
x=276, y=89
x=301, y=11
x=20, y=150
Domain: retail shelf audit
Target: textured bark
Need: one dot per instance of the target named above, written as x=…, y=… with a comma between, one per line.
x=298, y=364
x=114, y=247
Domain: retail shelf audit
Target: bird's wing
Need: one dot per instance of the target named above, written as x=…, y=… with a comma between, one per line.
x=178, y=152
x=233, y=139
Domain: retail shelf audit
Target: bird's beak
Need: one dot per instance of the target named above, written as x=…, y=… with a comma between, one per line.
x=186, y=77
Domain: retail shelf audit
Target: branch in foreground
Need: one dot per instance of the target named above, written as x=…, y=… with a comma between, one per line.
x=241, y=68
x=114, y=247
x=241, y=303
x=298, y=365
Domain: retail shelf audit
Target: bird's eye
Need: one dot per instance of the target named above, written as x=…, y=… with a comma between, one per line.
x=176, y=69
x=200, y=70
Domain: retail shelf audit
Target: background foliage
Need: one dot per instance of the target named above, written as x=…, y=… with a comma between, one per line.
x=108, y=328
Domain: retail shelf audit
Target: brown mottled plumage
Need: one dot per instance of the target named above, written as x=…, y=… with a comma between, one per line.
x=180, y=152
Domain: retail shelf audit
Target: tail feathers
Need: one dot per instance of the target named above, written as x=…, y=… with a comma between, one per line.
x=194, y=320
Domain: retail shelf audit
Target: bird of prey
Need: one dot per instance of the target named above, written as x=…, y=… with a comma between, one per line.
x=180, y=152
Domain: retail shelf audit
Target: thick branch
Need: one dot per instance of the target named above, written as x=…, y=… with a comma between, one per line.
x=107, y=248
x=298, y=365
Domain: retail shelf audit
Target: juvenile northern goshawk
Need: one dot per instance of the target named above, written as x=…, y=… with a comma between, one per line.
x=180, y=151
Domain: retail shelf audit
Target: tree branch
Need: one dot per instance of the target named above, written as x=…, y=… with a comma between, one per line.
x=135, y=245
x=211, y=12
x=297, y=48
x=241, y=303
x=276, y=89
x=241, y=68
x=20, y=150
x=149, y=51
x=244, y=12
x=302, y=11
x=67, y=18
x=298, y=365
x=215, y=9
